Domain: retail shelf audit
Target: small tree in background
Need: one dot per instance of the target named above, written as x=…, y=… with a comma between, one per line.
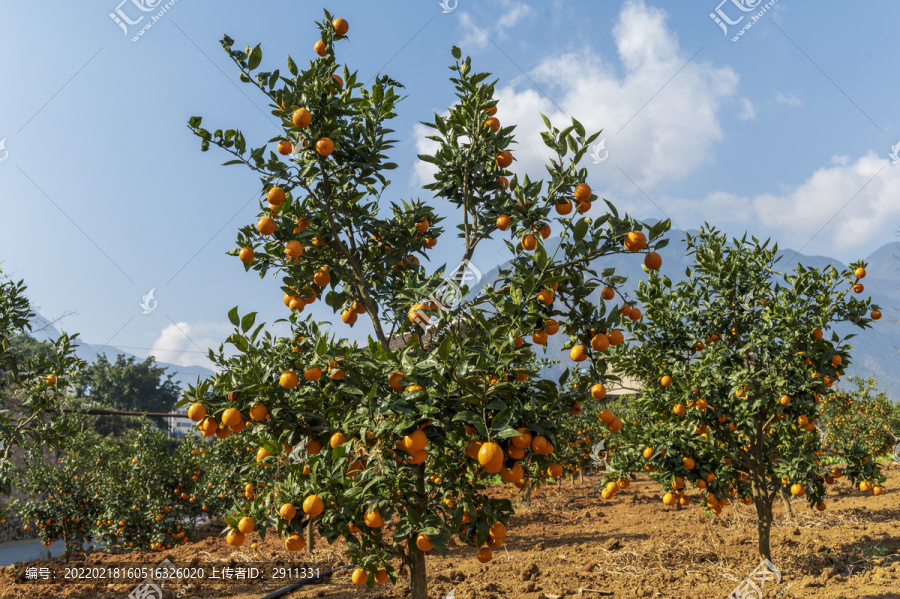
x=32, y=380
x=391, y=443
x=859, y=420
x=735, y=364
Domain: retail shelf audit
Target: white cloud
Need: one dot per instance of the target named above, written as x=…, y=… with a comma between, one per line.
x=477, y=34
x=187, y=345
x=515, y=12
x=799, y=213
x=748, y=112
x=659, y=111
x=789, y=99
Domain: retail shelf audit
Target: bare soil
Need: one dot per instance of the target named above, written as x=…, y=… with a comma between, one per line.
x=630, y=546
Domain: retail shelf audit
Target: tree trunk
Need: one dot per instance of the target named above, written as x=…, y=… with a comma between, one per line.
x=581, y=477
x=310, y=538
x=528, y=492
x=764, y=525
x=788, y=510
x=418, y=582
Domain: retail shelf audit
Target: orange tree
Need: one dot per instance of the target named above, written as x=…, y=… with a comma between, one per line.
x=390, y=443
x=147, y=493
x=735, y=360
x=30, y=383
x=859, y=420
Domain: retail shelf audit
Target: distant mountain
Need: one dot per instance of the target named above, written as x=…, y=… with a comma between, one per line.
x=876, y=351
x=43, y=330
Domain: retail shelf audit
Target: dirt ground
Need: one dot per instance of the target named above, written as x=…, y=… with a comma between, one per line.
x=630, y=546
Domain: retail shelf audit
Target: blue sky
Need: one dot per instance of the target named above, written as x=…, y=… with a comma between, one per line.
x=104, y=194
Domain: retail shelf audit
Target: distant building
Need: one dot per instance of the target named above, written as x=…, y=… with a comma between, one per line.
x=180, y=427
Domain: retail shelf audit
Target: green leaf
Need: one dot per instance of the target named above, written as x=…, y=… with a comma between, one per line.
x=456, y=52
x=255, y=58
x=292, y=67
x=581, y=228
x=233, y=316
x=248, y=321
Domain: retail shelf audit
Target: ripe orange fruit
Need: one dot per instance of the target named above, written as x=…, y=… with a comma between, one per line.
x=415, y=441
x=797, y=489
x=359, y=577
x=583, y=207
x=635, y=314
x=582, y=192
x=322, y=277
x=301, y=118
x=258, y=412
x=424, y=543
x=320, y=48
x=381, y=576
x=605, y=415
x=817, y=334
x=484, y=555
x=607, y=293
x=312, y=374
x=503, y=222
x=266, y=225
x=616, y=337
x=490, y=456
x=860, y=273
x=293, y=248
x=653, y=261
x=373, y=519
x=679, y=409
x=669, y=499
x=287, y=511
x=598, y=391
x=546, y=296
x=665, y=381
x=276, y=196
x=688, y=463
x=523, y=440
x=246, y=525
x=858, y=287
x=599, y=342
x=288, y=379
x=314, y=446
x=876, y=314
x=493, y=123
x=341, y=26
x=503, y=182
x=285, y=147
x=325, y=146
x=235, y=538
x=294, y=542
x=577, y=353
x=563, y=207
x=635, y=241
x=231, y=416
x=337, y=439
x=554, y=470
x=313, y=506
x=246, y=255
x=504, y=159
x=529, y=242
x=349, y=317
x=197, y=412
x=876, y=490
x=394, y=381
